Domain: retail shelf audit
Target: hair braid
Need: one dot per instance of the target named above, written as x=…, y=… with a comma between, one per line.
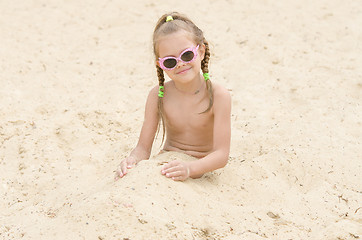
x=161, y=81
x=160, y=75
x=205, y=69
x=205, y=61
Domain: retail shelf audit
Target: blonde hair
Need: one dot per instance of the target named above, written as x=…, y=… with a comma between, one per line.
x=180, y=22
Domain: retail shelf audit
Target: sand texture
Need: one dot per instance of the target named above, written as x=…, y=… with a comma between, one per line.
x=74, y=78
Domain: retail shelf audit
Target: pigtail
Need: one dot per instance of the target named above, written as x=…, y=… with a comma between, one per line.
x=205, y=69
x=161, y=81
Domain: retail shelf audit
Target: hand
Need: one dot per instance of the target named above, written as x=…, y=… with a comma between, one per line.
x=177, y=170
x=123, y=167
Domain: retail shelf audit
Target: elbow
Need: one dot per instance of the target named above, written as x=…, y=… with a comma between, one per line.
x=222, y=156
x=224, y=160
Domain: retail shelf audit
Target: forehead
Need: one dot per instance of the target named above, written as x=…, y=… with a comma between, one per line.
x=173, y=44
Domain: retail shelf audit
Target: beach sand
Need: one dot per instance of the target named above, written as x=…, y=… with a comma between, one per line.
x=74, y=79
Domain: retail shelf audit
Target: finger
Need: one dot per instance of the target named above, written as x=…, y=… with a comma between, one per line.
x=174, y=174
x=118, y=174
x=124, y=166
x=130, y=165
x=171, y=164
x=170, y=170
x=123, y=169
x=179, y=178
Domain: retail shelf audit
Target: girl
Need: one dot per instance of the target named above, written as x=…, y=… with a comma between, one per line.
x=195, y=114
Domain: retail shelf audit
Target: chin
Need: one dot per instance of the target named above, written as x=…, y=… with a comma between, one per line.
x=186, y=77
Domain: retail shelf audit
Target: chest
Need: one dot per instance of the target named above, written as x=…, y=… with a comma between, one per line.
x=186, y=114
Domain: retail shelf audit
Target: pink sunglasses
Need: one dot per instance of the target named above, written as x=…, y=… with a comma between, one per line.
x=187, y=56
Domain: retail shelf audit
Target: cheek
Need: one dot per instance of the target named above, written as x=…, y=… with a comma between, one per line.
x=197, y=63
x=169, y=73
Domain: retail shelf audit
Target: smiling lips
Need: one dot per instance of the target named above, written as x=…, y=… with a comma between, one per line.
x=183, y=71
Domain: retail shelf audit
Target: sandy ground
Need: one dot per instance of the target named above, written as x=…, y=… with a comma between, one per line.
x=74, y=77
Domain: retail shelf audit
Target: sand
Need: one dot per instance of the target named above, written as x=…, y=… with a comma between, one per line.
x=74, y=79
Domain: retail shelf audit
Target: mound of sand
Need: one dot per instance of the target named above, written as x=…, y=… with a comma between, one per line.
x=74, y=79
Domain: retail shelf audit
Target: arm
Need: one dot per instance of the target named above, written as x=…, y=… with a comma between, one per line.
x=143, y=148
x=219, y=156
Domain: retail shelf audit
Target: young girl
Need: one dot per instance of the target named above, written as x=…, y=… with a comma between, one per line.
x=195, y=113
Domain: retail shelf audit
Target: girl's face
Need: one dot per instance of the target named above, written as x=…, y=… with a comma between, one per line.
x=172, y=45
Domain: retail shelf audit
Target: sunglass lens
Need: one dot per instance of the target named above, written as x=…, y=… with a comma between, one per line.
x=187, y=56
x=170, y=63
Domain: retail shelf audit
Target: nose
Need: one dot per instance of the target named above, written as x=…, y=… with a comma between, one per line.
x=180, y=63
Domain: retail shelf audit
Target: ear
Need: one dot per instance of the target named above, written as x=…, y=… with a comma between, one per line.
x=202, y=51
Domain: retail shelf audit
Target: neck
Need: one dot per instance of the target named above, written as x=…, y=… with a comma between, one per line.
x=191, y=88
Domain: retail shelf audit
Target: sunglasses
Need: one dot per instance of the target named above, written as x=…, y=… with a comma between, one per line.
x=187, y=56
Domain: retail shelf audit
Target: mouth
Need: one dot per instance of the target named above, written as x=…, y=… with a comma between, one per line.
x=184, y=71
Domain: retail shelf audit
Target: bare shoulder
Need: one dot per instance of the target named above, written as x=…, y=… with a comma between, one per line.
x=154, y=90
x=152, y=99
x=221, y=95
x=153, y=93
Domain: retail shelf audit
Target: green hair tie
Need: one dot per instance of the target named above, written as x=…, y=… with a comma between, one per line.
x=169, y=18
x=206, y=76
x=160, y=91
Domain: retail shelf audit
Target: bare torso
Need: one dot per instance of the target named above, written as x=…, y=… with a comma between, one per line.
x=188, y=129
